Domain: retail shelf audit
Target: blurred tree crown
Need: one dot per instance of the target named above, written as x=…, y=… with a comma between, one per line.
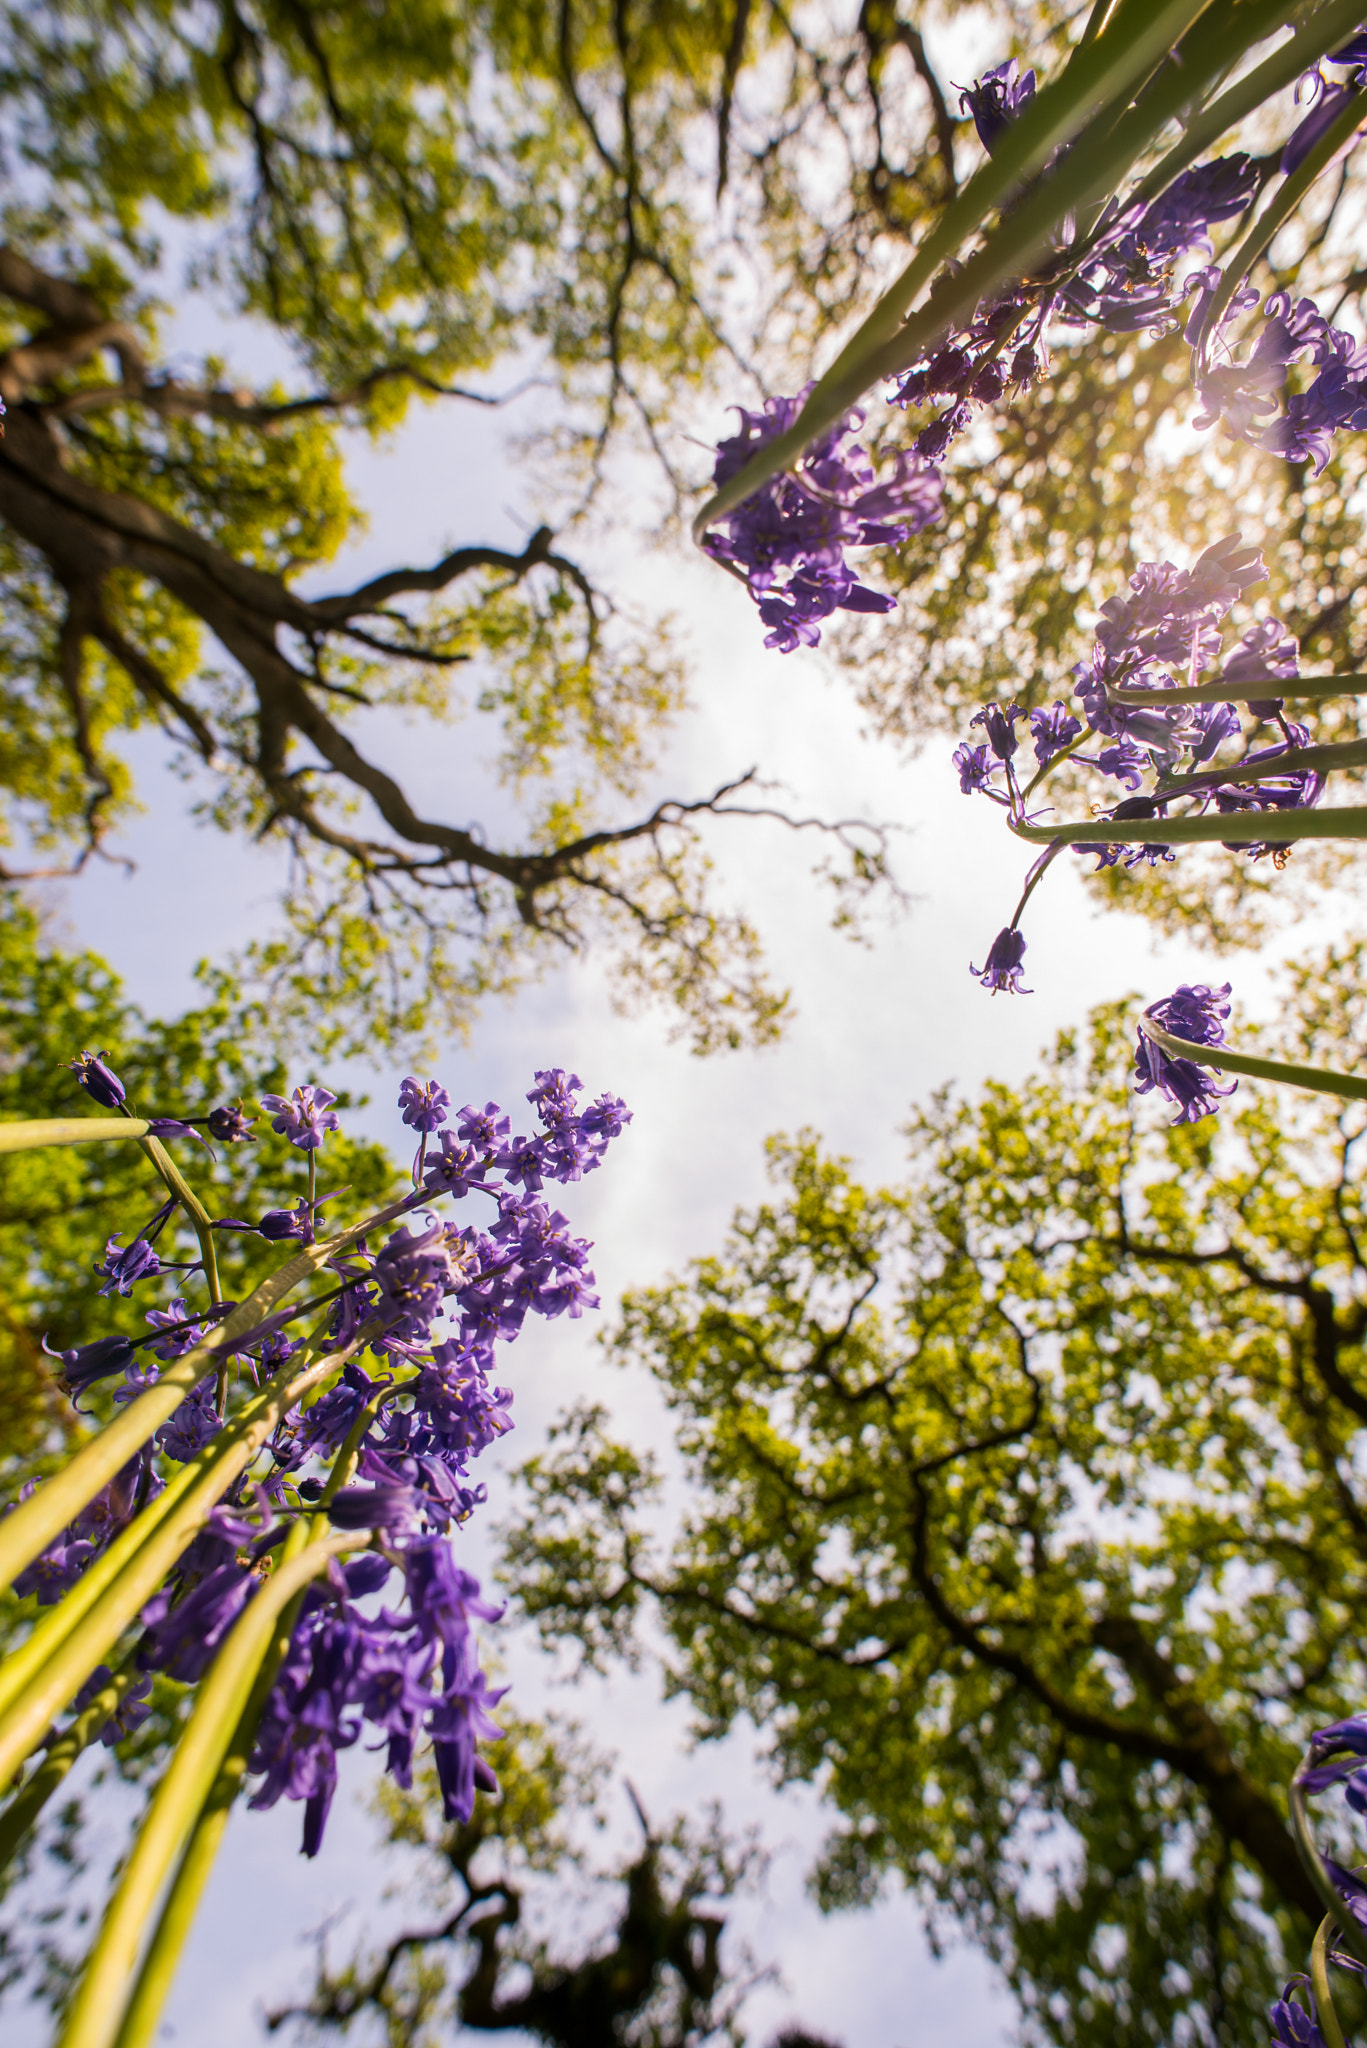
x=653, y=210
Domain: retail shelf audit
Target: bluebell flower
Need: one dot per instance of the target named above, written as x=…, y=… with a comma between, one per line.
x=279, y=1224
x=1315, y=125
x=1002, y=970
x=998, y=721
x=424, y=1104
x=410, y=1671
x=485, y=1128
x=392, y=1506
x=1292, y=2025
x=82, y=1366
x=1052, y=730
x=788, y=539
x=182, y=1330
x=1198, y=1014
x=192, y=1426
x=305, y=1117
x=230, y=1125
x=125, y=1265
x=183, y=1634
x=975, y=767
x=457, y=1724
x=997, y=99
x=98, y=1080
x=453, y=1172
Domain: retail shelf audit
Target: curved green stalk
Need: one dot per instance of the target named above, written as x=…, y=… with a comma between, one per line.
x=1223, y=1058
x=1311, y=41
x=69, y=1130
x=65, y=1668
x=23, y=1810
x=1350, y=1934
x=60, y=1620
x=1240, y=828
x=189, y=1201
x=1323, y=760
x=1297, y=689
x=27, y=1529
x=1319, y=1984
x=224, y=1693
x=196, y=1865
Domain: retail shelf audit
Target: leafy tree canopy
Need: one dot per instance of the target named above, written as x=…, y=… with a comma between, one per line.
x=1025, y=1520
x=643, y=206
x=404, y=205
x=58, y=1206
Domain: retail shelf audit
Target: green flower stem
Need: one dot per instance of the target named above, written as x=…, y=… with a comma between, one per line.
x=1321, y=1080
x=1097, y=80
x=1313, y=40
x=1324, y=760
x=196, y=1865
x=1319, y=1984
x=1284, y=203
x=1297, y=689
x=1350, y=1934
x=65, y=1668
x=58, y=1623
x=69, y=1130
x=24, y=1809
x=1242, y=828
x=28, y=1529
x=97, y=2008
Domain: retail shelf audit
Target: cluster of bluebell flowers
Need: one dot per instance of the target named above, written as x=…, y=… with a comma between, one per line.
x=788, y=541
x=1182, y=760
x=384, y=1639
x=1134, y=267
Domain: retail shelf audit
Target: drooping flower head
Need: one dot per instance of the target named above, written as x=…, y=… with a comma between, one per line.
x=1002, y=970
x=1198, y=1014
x=996, y=100
x=1292, y=2025
x=230, y=1125
x=98, y=1080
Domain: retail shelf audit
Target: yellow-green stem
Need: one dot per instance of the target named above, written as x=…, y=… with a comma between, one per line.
x=63, y=1672
x=35, y=1132
x=28, y=1529
x=1351, y=1936
x=193, y=1872
x=1096, y=82
x=1295, y=690
x=97, y=2009
x=1319, y=1983
x=1224, y=1059
x=1237, y=828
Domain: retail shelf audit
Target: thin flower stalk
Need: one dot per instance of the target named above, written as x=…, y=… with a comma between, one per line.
x=36, y=1133
x=1319, y=1080
x=99, y=2001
